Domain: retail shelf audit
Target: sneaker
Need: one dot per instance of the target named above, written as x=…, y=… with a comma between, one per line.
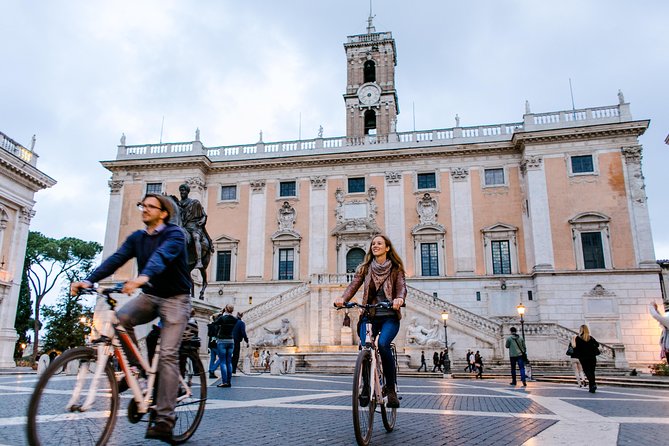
x=160, y=430
x=224, y=385
x=524, y=384
x=393, y=401
x=512, y=383
x=363, y=398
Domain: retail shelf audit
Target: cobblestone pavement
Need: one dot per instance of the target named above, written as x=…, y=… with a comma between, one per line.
x=315, y=409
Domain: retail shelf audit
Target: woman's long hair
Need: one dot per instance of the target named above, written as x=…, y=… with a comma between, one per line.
x=390, y=255
x=584, y=333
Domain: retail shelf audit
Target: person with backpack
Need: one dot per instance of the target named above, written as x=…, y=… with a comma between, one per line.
x=517, y=349
x=212, y=344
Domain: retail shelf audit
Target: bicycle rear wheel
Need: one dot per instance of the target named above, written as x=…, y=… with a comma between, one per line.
x=55, y=413
x=364, y=402
x=190, y=406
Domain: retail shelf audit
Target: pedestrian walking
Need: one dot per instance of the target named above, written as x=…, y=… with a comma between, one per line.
x=516, y=346
x=225, y=324
x=442, y=360
x=423, y=364
x=212, y=344
x=478, y=364
x=576, y=364
x=586, y=350
x=468, y=368
x=435, y=362
x=238, y=335
x=256, y=358
x=663, y=319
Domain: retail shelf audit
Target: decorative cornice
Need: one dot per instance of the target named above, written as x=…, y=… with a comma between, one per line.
x=196, y=183
x=459, y=174
x=24, y=173
x=633, y=154
x=115, y=186
x=393, y=177
x=318, y=182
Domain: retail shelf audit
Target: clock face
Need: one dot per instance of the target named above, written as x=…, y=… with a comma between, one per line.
x=369, y=94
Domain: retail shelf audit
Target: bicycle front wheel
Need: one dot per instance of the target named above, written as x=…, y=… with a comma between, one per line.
x=192, y=396
x=57, y=413
x=389, y=416
x=364, y=402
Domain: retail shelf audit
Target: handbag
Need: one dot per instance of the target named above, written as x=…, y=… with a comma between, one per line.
x=570, y=350
x=523, y=354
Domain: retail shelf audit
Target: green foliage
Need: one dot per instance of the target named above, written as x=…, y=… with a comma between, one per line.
x=65, y=328
x=50, y=260
x=661, y=369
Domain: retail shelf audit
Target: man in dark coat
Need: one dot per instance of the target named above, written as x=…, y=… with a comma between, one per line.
x=238, y=334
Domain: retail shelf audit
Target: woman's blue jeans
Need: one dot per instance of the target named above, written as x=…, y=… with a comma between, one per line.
x=225, y=349
x=388, y=326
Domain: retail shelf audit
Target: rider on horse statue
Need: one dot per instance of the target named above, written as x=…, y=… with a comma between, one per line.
x=193, y=220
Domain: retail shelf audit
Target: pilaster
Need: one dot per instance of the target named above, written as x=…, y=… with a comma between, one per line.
x=536, y=191
x=463, y=222
x=318, y=230
x=394, y=212
x=113, y=217
x=255, y=257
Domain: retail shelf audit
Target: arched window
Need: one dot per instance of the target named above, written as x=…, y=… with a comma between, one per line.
x=370, y=122
x=354, y=258
x=369, y=71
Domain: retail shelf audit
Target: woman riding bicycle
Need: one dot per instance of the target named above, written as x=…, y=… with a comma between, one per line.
x=381, y=274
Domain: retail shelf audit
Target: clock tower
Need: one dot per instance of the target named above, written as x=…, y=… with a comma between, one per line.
x=371, y=99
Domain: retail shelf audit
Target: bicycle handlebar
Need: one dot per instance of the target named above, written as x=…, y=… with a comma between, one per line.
x=386, y=305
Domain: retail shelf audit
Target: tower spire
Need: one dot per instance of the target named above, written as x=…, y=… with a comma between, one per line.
x=370, y=25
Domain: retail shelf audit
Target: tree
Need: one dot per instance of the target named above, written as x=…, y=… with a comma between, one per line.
x=64, y=323
x=24, y=320
x=48, y=261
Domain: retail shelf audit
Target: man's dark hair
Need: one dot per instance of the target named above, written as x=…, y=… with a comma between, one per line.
x=165, y=204
x=513, y=329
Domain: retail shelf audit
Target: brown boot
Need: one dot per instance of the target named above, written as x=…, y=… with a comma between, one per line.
x=393, y=401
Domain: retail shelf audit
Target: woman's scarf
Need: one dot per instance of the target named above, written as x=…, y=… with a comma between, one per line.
x=379, y=272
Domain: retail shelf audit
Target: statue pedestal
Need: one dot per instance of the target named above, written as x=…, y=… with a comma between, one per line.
x=346, y=336
x=246, y=367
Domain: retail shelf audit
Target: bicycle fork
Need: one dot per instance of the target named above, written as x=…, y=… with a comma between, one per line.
x=103, y=353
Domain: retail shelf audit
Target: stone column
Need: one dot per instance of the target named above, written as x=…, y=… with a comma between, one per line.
x=463, y=222
x=113, y=218
x=636, y=200
x=9, y=301
x=318, y=226
x=255, y=256
x=539, y=215
x=394, y=212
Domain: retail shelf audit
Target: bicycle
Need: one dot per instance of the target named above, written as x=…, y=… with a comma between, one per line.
x=368, y=382
x=76, y=399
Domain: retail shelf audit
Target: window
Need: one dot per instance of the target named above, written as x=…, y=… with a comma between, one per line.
x=369, y=71
x=582, y=164
x=223, y=263
x=154, y=188
x=354, y=258
x=287, y=189
x=427, y=180
x=370, y=122
x=501, y=257
x=286, y=261
x=500, y=244
x=228, y=193
x=494, y=177
x=590, y=234
x=429, y=259
x=593, y=251
x=356, y=185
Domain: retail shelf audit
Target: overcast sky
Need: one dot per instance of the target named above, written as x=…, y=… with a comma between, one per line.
x=79, y=73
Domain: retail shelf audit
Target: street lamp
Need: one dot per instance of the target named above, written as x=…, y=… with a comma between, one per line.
x=447, y=361
x=521, y=312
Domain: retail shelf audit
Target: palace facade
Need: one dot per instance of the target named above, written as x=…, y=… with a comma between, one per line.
x=19, y=181
x=548, y=212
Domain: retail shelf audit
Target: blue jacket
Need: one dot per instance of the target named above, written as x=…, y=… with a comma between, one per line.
x=161, y=256
x=239, y=332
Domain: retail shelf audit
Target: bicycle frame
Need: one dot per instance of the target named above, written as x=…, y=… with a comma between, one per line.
x=372, y=344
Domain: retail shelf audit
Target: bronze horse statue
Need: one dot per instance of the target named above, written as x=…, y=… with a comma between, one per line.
x=205, y=248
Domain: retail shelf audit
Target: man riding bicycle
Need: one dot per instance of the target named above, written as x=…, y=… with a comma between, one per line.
x=160, y=250
x=381, y=274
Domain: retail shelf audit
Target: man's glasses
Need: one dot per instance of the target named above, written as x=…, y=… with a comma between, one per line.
x=141, y=206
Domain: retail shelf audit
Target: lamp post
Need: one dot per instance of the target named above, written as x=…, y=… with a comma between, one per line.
x=447, y=361
x=521, y=312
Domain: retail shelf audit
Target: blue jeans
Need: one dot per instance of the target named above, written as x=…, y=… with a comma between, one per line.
x=225, y=348
x=213, y=356
x=521, y=366
x=389, y=326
